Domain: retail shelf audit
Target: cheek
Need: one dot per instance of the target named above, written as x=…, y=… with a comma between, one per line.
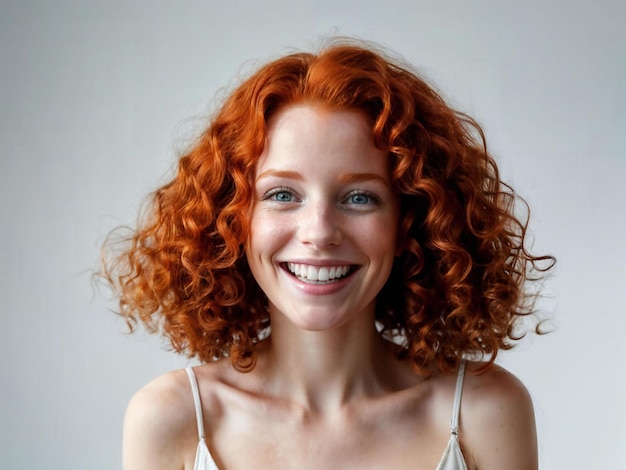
x=380, y=234
x=266, y=236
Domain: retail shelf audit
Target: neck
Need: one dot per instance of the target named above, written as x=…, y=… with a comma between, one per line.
x=324, y=370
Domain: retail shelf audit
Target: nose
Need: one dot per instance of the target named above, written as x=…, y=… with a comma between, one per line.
x=319, y=226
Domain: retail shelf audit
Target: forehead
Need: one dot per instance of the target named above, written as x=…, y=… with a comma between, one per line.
x=320, y=118
x=307, y=132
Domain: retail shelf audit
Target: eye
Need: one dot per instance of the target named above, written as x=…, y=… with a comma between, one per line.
x=282, y=196
x=279, y=195
x=361, y=198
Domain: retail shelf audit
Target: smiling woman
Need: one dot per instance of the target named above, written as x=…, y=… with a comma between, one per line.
x=334, y=249
x=324, y=202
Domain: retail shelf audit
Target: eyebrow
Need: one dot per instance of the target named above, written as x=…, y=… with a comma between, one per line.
x=293, y=175
x=344, y=179
x=359, y=177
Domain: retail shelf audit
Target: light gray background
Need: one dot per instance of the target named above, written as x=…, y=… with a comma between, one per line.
x=98, y=97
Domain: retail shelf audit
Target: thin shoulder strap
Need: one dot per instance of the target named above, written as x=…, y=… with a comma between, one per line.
x=196, y=400
x=454, y=424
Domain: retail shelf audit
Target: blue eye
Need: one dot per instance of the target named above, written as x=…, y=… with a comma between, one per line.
x=282, y=196
x=360, y=199
x=279, y=195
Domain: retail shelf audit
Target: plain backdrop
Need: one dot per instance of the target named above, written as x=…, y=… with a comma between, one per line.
x=98, y=98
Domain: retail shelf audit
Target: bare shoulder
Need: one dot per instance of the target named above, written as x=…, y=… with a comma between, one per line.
x=159, y=425
x=498, y=421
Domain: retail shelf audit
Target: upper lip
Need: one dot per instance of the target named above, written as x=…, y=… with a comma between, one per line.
x=320, y=262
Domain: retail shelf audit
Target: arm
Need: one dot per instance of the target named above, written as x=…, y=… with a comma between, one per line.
x=155, y=426
x=499, y=423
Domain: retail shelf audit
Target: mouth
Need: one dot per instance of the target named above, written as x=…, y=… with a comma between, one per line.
x=319, y=274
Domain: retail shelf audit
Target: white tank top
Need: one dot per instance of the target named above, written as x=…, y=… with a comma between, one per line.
x=452, y=458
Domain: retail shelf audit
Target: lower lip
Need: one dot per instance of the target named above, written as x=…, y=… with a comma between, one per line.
x=320, y=289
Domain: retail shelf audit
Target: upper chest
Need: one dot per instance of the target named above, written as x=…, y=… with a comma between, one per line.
x=410, y=433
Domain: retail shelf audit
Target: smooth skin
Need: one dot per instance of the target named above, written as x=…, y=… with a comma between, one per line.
x=326, y=393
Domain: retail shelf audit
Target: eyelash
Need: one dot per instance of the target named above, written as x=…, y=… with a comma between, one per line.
x=373, y=199
x=275, y=191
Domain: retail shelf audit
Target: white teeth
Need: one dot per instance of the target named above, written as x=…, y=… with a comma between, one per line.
x=316, y=273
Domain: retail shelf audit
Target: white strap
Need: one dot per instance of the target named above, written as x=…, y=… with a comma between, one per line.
x=454, y=424
x=196, y=400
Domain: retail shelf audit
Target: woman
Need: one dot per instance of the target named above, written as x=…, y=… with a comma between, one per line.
x=332, y=249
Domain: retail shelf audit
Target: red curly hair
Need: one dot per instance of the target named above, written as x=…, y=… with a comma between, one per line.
x=460, y=283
